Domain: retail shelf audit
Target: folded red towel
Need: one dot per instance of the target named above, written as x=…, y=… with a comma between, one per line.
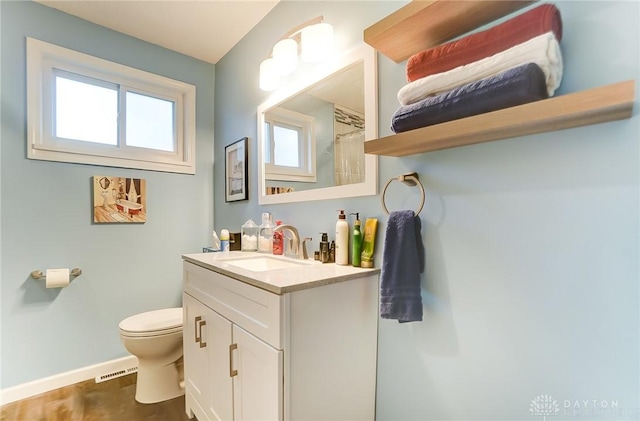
x=474, y=47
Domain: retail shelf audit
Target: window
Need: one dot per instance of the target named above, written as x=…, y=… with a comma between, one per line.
x=88, y=110
x=289, y=146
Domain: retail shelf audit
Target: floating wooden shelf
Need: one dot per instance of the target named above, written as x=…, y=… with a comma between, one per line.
x=423, y=24
x=597, y=105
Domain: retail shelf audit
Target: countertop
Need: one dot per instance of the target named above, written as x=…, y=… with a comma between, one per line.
x=281, y=281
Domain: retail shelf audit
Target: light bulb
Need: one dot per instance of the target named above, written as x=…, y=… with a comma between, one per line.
x=316, y=42
x=269, y=80
x=285, y=56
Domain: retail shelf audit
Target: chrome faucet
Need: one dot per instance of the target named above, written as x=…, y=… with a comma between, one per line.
x=297, y=249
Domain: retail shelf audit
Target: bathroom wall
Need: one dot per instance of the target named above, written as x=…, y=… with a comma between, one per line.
x=532, y=246
x=46, y=213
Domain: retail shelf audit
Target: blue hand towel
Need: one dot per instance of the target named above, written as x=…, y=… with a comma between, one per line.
x=402, y=263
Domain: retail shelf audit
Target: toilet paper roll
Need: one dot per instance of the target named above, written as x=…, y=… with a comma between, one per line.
x=57, y=278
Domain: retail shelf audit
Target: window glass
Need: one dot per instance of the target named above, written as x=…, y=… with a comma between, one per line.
x=86, y=112
x=286, y=146
x=150, y=122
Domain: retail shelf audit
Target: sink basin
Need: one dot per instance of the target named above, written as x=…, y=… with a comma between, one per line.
x=263, y=263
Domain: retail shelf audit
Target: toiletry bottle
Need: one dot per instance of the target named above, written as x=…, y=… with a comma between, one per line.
x=342, y=239
x=224, y=241
x=265, y=234
x=368, y=242
x=324, y=248
x=356, y=242
x=332, y=252
x=278, y=241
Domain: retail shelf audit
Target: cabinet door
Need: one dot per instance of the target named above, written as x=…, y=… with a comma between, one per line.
x=218, y=338
x=196, y=358
x=258, y=382
x=206, y=340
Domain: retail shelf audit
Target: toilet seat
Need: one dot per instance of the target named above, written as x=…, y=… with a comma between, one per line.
x=153, y=323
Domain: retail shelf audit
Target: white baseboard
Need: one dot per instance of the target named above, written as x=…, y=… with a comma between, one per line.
x=36, y=387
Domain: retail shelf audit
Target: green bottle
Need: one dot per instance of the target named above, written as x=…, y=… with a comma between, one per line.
x=356, y=242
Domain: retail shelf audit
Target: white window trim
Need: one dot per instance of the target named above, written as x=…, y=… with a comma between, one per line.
x=42, y=57
x=306, y=173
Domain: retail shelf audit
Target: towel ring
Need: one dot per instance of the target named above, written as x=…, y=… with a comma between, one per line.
x=410, y=179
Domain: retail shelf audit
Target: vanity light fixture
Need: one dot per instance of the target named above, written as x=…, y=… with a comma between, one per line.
x=313, y=40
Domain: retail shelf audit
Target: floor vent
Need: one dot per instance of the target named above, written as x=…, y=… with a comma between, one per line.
x=115, y=374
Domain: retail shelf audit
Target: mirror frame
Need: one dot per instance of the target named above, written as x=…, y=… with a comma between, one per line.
x=369, y=187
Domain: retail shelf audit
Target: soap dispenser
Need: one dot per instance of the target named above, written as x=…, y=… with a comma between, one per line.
x=265, y=234
x=342, y=239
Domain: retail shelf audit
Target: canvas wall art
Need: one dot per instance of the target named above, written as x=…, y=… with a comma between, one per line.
x=119, y=200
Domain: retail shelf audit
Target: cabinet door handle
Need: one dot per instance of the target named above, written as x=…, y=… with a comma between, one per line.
x=232, y=372
x=202, y=342
x=197, y=330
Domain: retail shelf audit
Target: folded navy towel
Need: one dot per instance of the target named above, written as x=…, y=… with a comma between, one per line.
x=516, y=86
x=402, y=263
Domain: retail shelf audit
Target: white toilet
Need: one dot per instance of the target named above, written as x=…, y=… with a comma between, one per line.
x=155, y=337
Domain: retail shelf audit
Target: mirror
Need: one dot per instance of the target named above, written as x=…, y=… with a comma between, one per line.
x=311, y=135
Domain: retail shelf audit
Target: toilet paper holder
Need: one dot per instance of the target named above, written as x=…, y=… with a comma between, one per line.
x=37, y=274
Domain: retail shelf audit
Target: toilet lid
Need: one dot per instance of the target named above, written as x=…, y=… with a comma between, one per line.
x=153, y=321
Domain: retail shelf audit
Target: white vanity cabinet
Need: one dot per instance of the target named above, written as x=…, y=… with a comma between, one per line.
x=253, y=354
x=229, y=371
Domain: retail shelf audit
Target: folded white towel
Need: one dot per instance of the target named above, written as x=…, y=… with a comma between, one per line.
x=542, y=50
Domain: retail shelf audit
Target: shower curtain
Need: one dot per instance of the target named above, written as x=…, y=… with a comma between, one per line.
x=349, y=158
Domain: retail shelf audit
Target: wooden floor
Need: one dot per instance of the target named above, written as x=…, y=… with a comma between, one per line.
x=110, y=213
x=112, y=400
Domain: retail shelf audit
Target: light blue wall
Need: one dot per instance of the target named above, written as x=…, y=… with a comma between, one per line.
x=532, y=243
x=47, y=214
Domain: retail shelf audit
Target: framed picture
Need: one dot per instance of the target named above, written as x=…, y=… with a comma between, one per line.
x=119, y=200
x=236, y=164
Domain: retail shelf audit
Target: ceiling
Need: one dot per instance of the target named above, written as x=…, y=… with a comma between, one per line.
x=345, y=88
x=204, y=29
